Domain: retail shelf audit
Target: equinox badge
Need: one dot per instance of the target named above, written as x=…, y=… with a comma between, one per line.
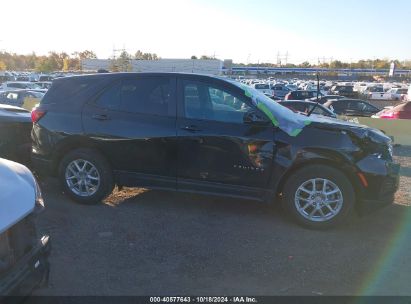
x=248, y=168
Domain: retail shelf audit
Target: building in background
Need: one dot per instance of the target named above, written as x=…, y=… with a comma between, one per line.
x=199, y=66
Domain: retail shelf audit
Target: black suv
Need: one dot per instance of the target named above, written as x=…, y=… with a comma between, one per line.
x=344, y=90
x=206, y=134
x=300, y=95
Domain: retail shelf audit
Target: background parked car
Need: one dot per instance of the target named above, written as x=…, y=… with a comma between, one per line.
x=45, y=78
x=263, y=88
x=352, y=107
x=391, y=94
x=344, y=90
x=396, y=94
x=325, y=98
x=5, y=78
x=15, y=129
x=300, y=95
x=26, y=99
x=307, y=106
x=30, y=78
x=12, y=85
x=400, y=111
x=280, y=90
x=44, y=84
x=23, y=254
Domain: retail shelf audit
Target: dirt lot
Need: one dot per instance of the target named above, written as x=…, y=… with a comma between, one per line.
x=152, y=242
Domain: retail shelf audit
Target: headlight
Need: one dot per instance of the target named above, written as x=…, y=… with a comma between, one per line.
x=38, y=197
x=390, y=150
x=385, y=152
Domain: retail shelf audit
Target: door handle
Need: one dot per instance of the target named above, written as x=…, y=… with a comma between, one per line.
x=191, y=129
x=100, y=117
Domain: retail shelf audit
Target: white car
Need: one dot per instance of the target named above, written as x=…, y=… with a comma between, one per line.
x=397, y=94
x=263, y=88
x=392, y=94
x=23, y=256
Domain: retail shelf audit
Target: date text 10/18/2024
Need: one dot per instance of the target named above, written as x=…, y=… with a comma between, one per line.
x=203, y=300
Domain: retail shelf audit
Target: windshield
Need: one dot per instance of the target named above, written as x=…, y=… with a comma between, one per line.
x=290, y=122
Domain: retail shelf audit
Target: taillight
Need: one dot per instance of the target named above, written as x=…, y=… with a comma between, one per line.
x=37, y=114
x=390, y=115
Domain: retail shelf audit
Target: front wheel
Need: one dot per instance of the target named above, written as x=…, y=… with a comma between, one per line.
x=318, y=196
x=86, y=176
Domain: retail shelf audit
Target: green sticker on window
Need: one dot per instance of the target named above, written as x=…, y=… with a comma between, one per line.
x=295, y=132
x=267, y=112
x=248, y=94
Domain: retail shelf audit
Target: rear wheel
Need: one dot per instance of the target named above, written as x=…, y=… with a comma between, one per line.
x=86, y=176
x=318, y=196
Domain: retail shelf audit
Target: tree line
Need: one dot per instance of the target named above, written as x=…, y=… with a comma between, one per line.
x=63, y=61
x=55, y=61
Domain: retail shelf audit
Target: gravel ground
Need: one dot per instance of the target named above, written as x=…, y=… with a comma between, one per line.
x=142, y=242
x=403, y=157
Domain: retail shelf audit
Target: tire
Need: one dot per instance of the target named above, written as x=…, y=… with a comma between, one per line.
x=100, y=182
x=340, y=204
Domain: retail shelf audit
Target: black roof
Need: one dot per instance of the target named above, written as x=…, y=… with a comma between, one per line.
x=122, y=74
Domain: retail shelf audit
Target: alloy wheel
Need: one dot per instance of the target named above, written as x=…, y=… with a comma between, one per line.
x=318, y=200
x=82, y=177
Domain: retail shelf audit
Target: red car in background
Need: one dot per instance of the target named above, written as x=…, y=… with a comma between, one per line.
x=400, y=111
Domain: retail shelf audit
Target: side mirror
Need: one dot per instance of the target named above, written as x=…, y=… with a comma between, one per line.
x=255, y=118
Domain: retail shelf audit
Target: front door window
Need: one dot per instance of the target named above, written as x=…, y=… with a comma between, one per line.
x=206, y=102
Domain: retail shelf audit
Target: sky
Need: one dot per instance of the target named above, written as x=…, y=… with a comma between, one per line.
x=242, y=30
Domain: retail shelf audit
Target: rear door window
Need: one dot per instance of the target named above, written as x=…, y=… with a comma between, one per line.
x=110, y=99
x=149, y=95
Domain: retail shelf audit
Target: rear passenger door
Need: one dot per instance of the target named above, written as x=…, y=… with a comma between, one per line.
x=133, y=123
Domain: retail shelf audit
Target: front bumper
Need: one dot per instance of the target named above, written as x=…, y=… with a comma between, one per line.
x=29, y=272
x=383, y=178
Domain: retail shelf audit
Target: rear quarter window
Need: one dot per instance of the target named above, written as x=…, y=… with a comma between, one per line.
x=62, y=90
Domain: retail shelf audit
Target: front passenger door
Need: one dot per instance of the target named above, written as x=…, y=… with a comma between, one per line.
x=217, y=150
